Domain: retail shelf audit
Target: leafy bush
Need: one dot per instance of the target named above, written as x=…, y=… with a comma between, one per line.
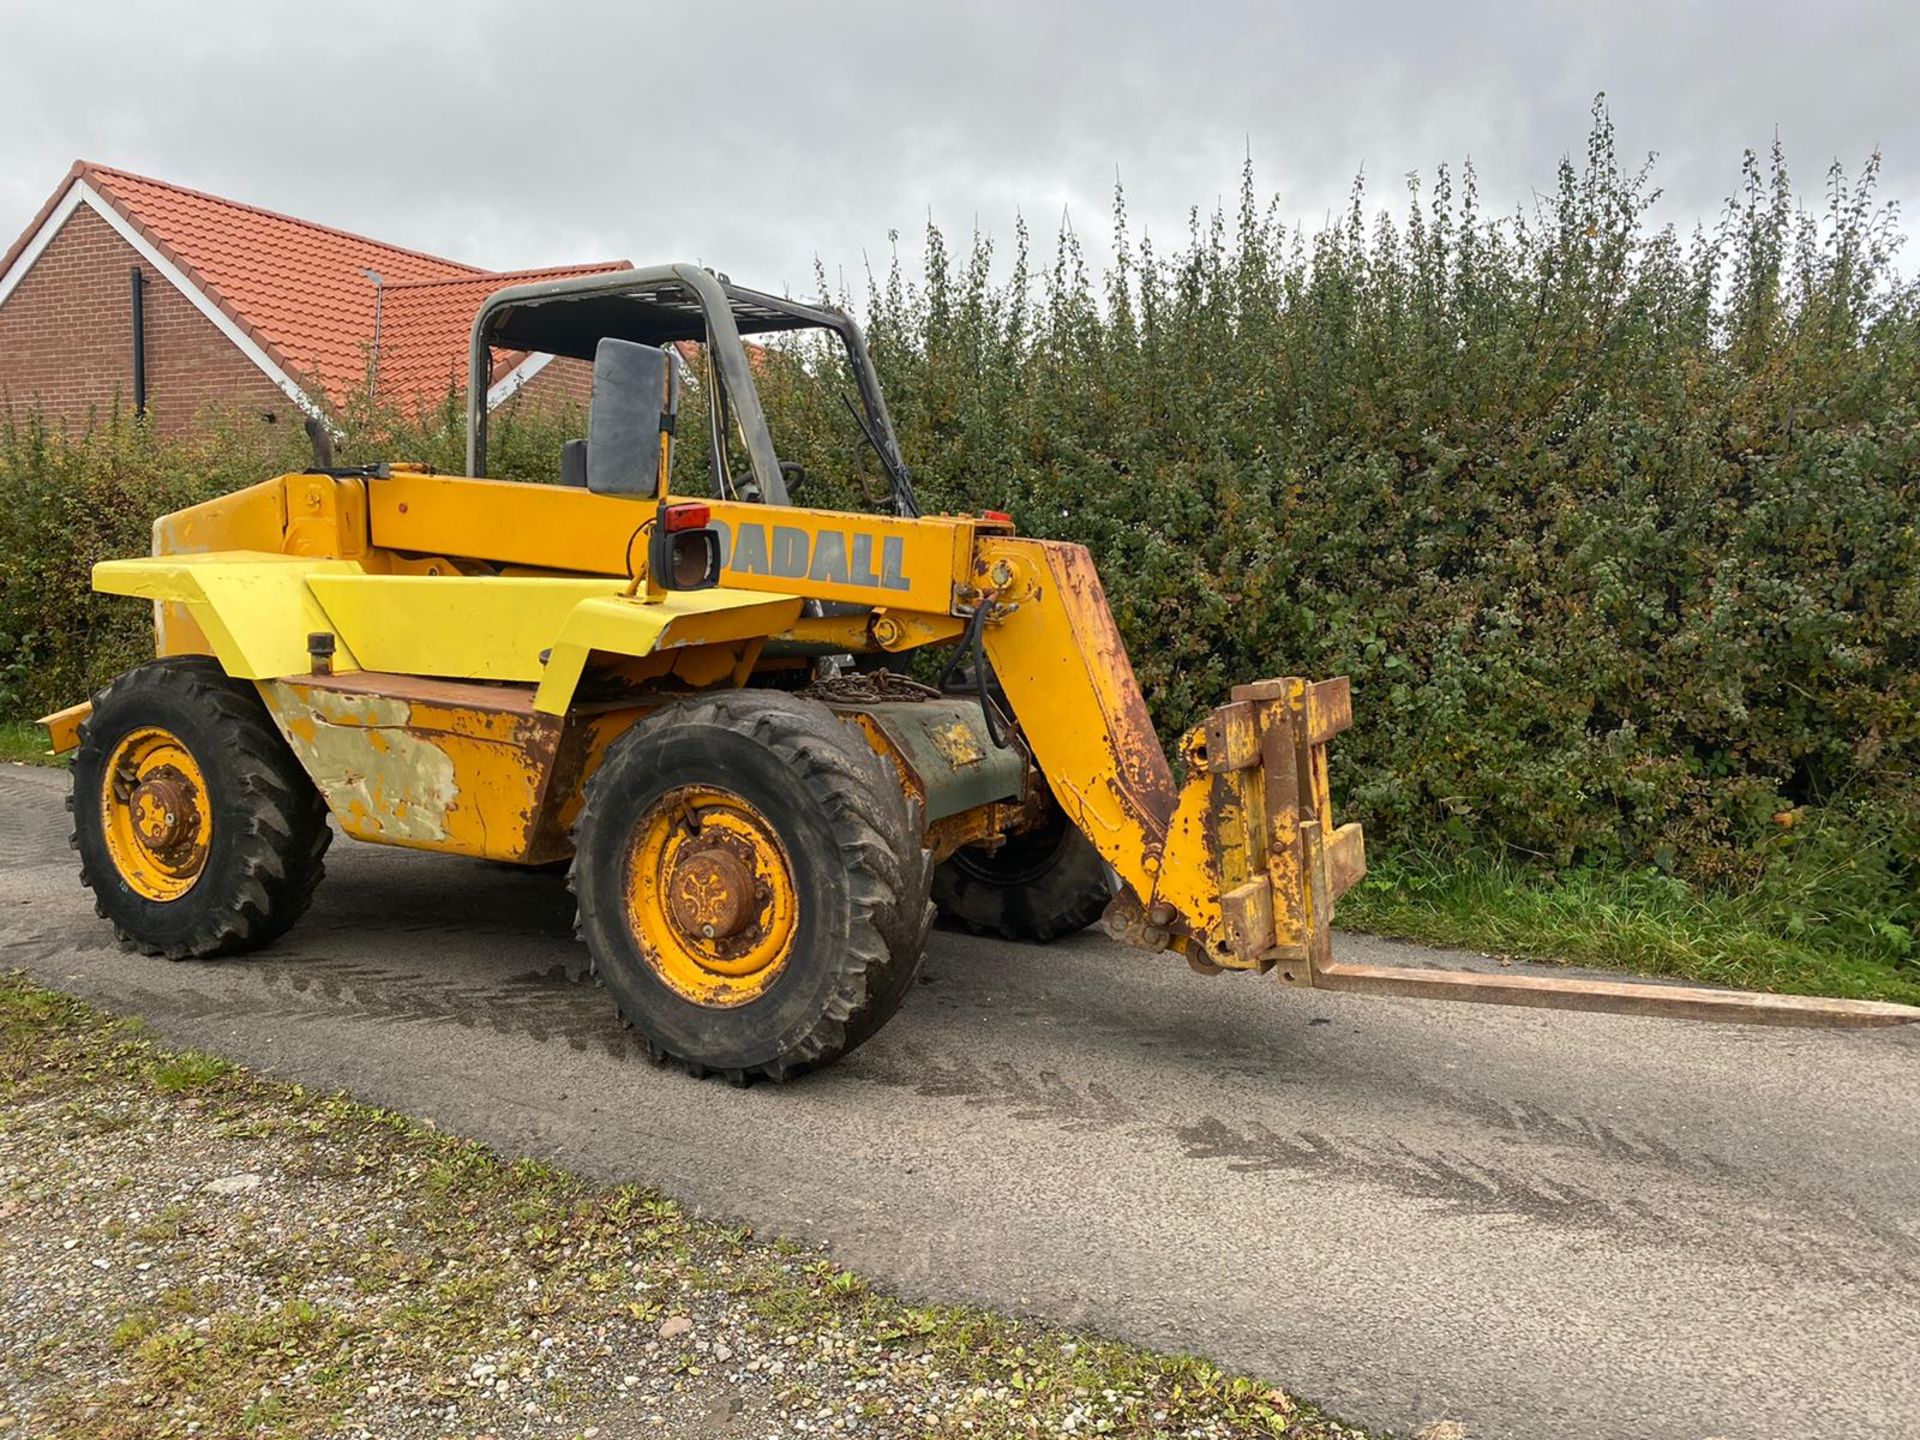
x=1616, y=532
x=71, y=498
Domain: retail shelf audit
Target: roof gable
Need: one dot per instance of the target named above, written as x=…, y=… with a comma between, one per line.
x=300, y=289
x=294, y=295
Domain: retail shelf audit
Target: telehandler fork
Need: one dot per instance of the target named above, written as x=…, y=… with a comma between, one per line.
x=692, y=698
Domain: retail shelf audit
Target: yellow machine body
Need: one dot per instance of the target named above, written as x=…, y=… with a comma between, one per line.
x=483, y=642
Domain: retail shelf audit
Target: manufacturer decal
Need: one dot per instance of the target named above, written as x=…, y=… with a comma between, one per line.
x=835, y=557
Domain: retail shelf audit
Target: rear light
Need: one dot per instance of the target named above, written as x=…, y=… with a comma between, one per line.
x=694, y=561
x=684, y=553
x=999, y=517
x=685, y=517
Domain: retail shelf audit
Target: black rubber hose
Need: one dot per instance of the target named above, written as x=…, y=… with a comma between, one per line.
x=974, y=643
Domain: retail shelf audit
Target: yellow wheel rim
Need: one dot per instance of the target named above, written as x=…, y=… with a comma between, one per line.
x=710, y=896
x=154, y=814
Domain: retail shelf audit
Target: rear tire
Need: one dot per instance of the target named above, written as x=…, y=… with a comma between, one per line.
x=1039, y=885
x=199, y=834
x=752, y=887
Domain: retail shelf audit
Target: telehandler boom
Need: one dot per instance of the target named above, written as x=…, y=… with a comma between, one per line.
x=685, y=686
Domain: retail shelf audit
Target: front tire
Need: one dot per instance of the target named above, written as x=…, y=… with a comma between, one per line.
x=199, y=834
x=752, y=888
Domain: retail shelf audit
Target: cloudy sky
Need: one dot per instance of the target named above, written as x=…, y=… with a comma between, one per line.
x=755, y=135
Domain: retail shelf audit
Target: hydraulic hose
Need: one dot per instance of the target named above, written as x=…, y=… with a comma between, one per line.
x=974, y=643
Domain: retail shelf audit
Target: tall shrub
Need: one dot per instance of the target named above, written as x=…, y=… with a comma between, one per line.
x=1614, y=529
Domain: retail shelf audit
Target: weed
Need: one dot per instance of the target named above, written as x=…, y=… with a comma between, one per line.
x=190, y=1070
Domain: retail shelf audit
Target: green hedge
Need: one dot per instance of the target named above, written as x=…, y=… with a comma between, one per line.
x=1616, y=530
x=71, y=497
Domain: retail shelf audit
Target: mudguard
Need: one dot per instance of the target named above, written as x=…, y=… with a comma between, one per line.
x=257, y=610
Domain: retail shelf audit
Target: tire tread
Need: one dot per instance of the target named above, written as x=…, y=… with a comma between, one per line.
x=274, y=809
x=874, y=830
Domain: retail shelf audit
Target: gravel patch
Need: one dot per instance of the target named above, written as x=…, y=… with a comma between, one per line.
x=187, y=1250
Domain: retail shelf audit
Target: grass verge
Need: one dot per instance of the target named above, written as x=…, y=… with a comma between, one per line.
x=191, y=1250
x=1641, y=921
x=24, y=743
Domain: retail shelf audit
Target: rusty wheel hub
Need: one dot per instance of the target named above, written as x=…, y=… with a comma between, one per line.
x=154, y=814
x=711, y=893
x=164, y=815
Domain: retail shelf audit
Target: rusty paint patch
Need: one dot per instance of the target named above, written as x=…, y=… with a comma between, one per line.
x=1140, y=764
x=1254, y=862
x=436, y=765
x=957, y=744
x=385, y=781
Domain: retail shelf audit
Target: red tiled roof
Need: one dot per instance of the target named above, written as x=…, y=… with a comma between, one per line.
x=300, y=290
x=425, y=327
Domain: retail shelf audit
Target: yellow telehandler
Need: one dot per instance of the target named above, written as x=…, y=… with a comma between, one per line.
x=687, y=687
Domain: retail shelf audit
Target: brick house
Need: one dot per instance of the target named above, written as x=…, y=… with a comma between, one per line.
x=133, y=292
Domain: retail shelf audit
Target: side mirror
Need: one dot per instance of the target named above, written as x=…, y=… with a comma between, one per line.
x=636, y=393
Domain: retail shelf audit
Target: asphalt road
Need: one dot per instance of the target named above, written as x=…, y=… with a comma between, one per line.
x=1547, y=1227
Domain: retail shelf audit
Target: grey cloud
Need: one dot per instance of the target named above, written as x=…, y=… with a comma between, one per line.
x=759, y=135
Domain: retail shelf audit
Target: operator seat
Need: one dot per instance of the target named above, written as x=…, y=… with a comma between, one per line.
x=573, y=464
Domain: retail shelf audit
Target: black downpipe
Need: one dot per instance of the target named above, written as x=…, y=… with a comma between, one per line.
x=139, y=341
